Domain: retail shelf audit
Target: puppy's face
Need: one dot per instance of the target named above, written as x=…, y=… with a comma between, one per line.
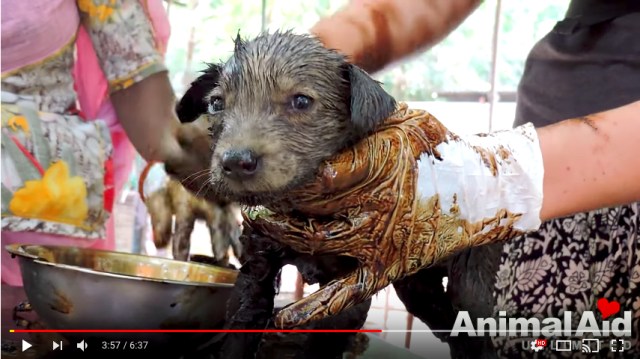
x=278, y=107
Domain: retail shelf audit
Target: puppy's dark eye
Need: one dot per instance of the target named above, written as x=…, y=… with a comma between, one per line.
x=301, y=102
x=216, y=104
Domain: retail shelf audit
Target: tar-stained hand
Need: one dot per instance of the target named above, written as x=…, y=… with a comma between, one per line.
x=190, y=160
x=404, y=198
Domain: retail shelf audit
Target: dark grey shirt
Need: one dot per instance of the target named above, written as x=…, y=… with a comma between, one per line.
x=588, y=63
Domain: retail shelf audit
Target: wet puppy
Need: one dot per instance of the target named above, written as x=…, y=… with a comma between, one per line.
x=278, y=107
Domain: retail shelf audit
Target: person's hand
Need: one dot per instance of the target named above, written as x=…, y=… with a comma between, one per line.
x=404, y=198
x=188, y=154
x=174, y=210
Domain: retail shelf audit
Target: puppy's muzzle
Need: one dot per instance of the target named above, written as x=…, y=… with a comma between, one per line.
x=239, y=164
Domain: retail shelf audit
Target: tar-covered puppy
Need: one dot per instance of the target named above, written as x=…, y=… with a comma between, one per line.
x=277, y=108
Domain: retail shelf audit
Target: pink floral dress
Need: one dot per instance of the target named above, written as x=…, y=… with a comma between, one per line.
x=64, y=154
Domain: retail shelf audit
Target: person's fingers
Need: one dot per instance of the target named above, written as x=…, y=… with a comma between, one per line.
x=188, y=162
x=190, y=130
x=158, y=206
x=333, y=298
x=301, y=235
x=190, y=173
x=342, y=236
x=332, y=190
x=197, y=142
x=277, y=225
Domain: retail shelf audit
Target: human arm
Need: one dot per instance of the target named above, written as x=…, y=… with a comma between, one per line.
x=591, y=162
x=432, y=193
x=375, y=33
x=146, y=112
x=574, y=154
x=130, y=54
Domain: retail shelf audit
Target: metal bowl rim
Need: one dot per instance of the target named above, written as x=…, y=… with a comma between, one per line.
x=17, y=250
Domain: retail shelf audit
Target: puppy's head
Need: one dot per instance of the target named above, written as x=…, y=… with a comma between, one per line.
x=279, y=106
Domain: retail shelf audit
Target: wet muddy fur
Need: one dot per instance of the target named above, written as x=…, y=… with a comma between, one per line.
x=279, y=106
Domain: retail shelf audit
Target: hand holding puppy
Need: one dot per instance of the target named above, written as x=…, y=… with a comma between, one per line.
x=190, y=161
x=402, y=199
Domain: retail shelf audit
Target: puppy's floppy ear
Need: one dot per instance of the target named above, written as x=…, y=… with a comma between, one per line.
x=192, y=104
x=370, y=103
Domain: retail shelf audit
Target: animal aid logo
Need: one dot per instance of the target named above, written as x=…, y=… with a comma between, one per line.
x=612, y=324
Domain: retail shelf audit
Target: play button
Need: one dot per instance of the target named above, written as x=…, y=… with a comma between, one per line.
x=25, y=345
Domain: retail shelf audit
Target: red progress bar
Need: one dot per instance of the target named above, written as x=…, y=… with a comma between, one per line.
x=195, y=331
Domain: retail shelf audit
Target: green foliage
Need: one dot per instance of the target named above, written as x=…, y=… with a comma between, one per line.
x=460, y=62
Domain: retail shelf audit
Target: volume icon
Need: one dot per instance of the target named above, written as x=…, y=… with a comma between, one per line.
x=82, y=345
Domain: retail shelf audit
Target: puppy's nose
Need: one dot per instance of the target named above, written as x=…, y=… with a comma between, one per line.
x=239, y=163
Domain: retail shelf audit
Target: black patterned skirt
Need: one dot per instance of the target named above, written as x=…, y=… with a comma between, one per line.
x=572, y=263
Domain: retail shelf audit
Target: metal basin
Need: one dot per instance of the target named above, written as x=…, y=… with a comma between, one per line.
x=75, y=288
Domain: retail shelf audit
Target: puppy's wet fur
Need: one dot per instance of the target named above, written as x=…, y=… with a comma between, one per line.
x=253, y=102
x=254, y=99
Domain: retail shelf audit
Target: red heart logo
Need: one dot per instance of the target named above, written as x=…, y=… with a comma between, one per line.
x=608, y=308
